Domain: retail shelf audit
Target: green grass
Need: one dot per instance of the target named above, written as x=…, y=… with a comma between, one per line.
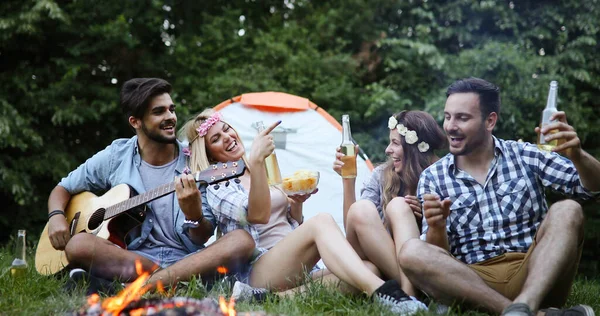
x=41, y=295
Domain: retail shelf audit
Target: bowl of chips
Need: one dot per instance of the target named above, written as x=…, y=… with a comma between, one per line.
x=301, y=182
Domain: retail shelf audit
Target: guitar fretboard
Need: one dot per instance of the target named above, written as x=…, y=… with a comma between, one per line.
x=138, y=200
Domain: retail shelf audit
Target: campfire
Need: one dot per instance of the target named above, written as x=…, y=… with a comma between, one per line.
x=130, y=302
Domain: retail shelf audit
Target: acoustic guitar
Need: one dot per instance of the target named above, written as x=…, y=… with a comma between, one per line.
x=116, y=213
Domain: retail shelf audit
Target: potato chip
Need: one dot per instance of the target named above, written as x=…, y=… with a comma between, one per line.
x=301, y=182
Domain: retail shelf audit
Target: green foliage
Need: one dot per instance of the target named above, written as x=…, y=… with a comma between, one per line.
x=63, y=63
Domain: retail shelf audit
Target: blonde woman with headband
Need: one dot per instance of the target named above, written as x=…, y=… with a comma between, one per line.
x=292, y=246
x=388, y=212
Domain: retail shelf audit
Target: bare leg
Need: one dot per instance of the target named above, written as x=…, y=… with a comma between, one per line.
x=368, y=236
x=102, y=258
x=283, y=266
x=552, y=259
x=330, y=280
x=432, y=270
x=231, y=250
x=404, y=227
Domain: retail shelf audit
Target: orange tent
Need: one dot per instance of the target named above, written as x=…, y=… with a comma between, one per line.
x=306, y=139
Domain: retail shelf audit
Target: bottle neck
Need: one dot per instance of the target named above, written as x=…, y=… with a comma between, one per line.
x=21, y=247
x=551, y=103
x=346, y=133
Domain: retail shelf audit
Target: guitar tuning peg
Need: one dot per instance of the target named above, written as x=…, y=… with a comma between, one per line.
x=216, y=186
x=227, y=183
x=236, y=180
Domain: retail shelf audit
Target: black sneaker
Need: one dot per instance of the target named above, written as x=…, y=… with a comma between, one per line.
x=94, y=285
x=390, y=294
x=244, y=292
x=577, y=310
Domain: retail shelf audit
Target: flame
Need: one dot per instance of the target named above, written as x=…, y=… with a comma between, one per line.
x=227, y=308
x=131, y=293
x=160, y=288
x=93, y=299
x=137, y=312
x=222, y=270
x=138, y=267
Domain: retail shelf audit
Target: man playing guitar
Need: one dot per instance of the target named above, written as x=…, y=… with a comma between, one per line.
x=171, y=231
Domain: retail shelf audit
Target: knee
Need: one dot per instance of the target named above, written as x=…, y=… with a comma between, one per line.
x=413, y=254
x=242, y=243
x=568, y=214
x=398, y=205
x=78, y=247
x=362, y=213
x=322, y=222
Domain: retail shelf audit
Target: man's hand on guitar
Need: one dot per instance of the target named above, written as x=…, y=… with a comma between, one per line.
x=58, y=232
x=188, y=196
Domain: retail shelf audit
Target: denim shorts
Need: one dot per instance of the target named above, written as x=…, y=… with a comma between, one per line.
x=163, y=256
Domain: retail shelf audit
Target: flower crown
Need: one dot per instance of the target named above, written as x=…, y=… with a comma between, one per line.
x=206, y=125
x=409, y=136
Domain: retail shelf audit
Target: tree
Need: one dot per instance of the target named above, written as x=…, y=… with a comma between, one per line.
x=64, y=62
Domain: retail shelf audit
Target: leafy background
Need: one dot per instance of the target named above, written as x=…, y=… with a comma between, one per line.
x=63, y=63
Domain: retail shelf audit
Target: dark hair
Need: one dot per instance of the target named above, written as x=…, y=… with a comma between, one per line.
x=414, y=160
x=136, y=94
x=489, y=93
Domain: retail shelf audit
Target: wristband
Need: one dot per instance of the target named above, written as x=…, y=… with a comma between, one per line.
x=56, y=212
x=188, y=223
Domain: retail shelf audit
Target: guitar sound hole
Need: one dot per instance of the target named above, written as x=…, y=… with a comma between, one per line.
x=96, y=219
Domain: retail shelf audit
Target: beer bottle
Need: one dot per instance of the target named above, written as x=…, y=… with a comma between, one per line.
x=19, y=264
x=271, y=164
x=348, y=149
x=546, y=114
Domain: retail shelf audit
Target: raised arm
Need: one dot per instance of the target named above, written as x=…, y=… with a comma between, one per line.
x=349, y=184
x=259, y=197
x=587, y=166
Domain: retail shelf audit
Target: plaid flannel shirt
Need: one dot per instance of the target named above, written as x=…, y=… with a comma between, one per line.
x=504, y=213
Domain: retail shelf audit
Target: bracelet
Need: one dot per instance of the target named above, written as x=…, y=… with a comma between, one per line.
x=56, y=212
x=188, y=223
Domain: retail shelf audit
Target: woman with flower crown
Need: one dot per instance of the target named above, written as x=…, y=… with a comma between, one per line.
x=388, y=212
x=299, y=244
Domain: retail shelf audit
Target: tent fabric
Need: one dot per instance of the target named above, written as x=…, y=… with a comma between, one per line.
x=306, y=139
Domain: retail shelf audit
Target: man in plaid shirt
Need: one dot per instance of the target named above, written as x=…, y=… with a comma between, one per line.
x=489, y=238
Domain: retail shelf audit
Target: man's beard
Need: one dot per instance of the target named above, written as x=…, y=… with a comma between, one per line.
x=157, y=137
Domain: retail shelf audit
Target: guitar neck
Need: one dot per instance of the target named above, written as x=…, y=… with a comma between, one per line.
x=214, y=174
x=138, y=200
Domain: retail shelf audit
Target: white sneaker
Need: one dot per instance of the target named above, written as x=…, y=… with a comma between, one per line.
x=391, y=295
x=244, y=292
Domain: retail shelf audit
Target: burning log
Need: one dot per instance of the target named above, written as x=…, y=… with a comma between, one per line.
x=176, y=306
x=129, y=302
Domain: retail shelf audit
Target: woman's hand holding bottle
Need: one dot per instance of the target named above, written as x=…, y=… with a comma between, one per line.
x=338, y=163
x=263, y=144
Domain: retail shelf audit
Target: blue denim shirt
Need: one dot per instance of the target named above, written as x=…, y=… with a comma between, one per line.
x=118, y=163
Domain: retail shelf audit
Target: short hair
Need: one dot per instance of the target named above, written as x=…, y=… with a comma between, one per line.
x=137, y=93
x=489, y=93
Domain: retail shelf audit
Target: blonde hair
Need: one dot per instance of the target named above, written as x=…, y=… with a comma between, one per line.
x=414, y=161
x=199, y=158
